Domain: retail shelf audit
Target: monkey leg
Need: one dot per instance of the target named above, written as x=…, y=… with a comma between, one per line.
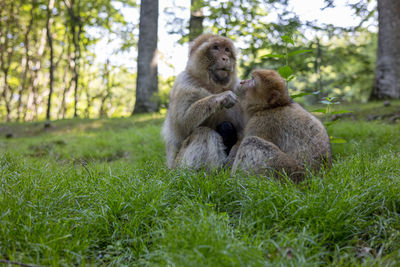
x=203, y=148
x=258, y=156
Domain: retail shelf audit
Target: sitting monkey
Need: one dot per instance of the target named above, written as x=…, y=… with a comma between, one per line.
x=204, y=119
x=279, y=135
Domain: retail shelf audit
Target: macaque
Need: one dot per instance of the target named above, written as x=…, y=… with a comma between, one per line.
x=204, y=119
x=279, y=134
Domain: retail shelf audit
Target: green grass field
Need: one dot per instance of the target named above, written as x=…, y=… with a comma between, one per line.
x=97, y=192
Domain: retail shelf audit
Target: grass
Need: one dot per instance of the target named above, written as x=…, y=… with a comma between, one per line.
x=96, y=192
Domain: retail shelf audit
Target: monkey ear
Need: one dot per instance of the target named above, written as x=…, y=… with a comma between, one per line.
x=274, y=98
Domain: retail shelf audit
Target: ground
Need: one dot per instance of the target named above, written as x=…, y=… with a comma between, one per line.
x=97, y=192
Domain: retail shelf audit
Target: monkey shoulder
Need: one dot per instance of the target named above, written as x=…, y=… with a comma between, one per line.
x=186, y=87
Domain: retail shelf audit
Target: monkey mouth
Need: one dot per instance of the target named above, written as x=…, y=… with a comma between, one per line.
x=222, y=72
x=224, y=69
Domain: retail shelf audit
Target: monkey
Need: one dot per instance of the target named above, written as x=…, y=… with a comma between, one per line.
x=204, y=120
x=279, y=134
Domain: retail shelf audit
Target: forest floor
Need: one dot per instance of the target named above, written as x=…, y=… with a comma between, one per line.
x=97, y=192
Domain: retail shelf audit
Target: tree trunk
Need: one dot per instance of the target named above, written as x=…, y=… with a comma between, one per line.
x=66, y=88
x=107, y=82
x=7, y=47
x=196, y=19
x=318, y=63
x=77, y=56
x=387, y=72
x=25, y=61
x=51, y=69
x=147, y=77
x=76, y=31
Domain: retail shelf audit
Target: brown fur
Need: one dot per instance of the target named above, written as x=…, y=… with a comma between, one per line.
x=294, y=139
x=200, y=99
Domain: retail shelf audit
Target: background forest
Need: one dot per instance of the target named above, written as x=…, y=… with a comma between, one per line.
x=56, y=61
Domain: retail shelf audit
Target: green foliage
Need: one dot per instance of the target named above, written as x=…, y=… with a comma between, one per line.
x=76, y=27
x=286, y=71
x=97, y=192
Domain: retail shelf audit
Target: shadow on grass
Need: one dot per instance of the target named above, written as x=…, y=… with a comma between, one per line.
x=28, y=129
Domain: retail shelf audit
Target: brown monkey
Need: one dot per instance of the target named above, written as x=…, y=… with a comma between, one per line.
x=279, y=134
x=204, y=119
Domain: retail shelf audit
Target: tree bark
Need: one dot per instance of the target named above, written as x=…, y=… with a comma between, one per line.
x=7, y=48
x=51, y=68
x=66, y=88
x=196, y=19
x=387, y=72
x=107, y=82
x=76, y=31
x=25, y=61
x=147, y=76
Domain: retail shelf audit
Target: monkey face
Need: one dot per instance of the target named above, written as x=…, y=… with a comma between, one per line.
x=269, y=89
x=222, y=62
x=245, y=86
x=266, y=87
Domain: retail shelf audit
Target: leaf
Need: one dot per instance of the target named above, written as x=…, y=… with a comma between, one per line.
x=326, y=102
x=341, y=112
x=287, y=39
x=298, y=52
x=300, y=95
x=285, y=71
x=274, y=56
x=321, y=110
x=290, y=78
x=335, y=140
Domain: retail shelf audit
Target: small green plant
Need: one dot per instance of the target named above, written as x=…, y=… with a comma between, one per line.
x=329, y=101
x=286, y=71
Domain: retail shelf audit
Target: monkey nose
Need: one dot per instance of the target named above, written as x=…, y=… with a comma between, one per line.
x=224, y=58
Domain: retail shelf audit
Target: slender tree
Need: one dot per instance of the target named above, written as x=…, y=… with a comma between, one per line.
x=147, y=77
x=387, y=72
x=76, y=25
x=49, y=22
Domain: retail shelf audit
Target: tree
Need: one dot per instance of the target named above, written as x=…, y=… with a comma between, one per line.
x=147, y=78
x=196, y=19
x=76, y=25
x=387, y=72
x=51, y=68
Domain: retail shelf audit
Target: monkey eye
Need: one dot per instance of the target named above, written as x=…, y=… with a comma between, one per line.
x=227, y=50
x=215, y=47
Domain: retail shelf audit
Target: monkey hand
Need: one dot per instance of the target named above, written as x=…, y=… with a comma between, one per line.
x=226, y=99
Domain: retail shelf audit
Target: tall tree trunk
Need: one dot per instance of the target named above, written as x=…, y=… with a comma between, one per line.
x=147, y=76
x=25, y=61
x=51, y=69
x=107, y=82
x=66, y=88
x=196, y=19
x=387, y=72
x=76, y=31
x=7, y=48
x=318, y=63
x=77, y=56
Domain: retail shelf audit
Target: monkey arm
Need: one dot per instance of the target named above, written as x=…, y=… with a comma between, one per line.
x=198, y=112
x=192, y=111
